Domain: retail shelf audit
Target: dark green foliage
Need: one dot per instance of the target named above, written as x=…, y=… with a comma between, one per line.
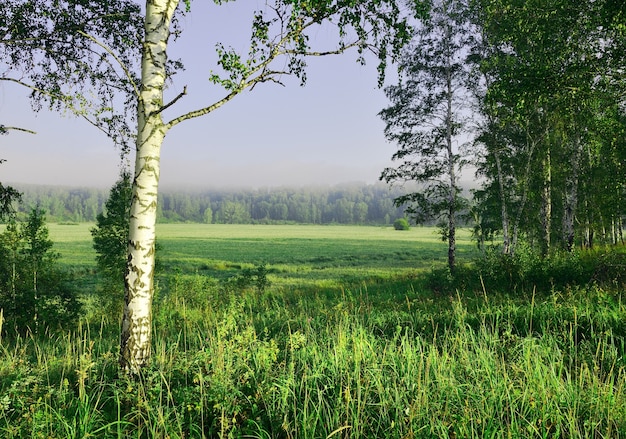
x=34, y=293
x=37, y=244
x=526, y=273
x=110, y=235
x=248, y=277
x=110, y=241
x=401, y=224
x=8, y=196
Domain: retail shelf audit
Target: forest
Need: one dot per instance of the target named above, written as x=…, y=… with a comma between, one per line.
x=342, y=204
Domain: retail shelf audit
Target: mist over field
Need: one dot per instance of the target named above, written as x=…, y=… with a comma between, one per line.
x=344, y=204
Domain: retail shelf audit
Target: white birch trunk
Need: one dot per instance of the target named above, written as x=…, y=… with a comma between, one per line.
x=570, y=199
x=452, y=178
x=530, y=148
x=506, y=239
x=137, y=319
x=546, y=205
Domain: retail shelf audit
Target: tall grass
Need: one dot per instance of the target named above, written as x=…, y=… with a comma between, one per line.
x=345, y=343
x=356, y=363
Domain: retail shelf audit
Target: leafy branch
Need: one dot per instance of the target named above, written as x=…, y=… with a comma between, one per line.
x=291, y=20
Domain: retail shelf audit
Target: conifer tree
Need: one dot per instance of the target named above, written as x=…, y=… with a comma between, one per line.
x=110, y=241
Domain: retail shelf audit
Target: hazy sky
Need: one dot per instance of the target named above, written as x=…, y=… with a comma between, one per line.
x=327, y=132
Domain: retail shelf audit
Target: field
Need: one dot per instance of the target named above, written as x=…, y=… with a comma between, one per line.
x=296, y=255
x=346, y=342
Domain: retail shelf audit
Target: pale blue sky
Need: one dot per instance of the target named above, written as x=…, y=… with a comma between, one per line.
x=325, y=133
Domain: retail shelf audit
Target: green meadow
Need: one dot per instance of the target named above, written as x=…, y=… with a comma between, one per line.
x=295, y=255
x=348, y=340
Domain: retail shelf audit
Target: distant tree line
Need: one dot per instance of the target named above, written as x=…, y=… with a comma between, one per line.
x=341, y=204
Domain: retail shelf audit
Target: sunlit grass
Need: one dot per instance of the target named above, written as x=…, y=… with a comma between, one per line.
x=295, y=254
x=278, y=365
x=302, y=255
x=346, y=343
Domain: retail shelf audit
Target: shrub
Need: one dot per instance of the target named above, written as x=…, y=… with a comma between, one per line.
x=34, y=293
x=250, y=277
x=527, y=271
x=401, y=224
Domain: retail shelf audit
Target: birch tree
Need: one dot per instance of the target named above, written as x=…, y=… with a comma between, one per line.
x=279, y=45
x=427, y=118
x=550, y=62
x=87, y=57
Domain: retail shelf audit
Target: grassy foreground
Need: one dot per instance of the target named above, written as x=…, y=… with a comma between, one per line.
x=383, y=359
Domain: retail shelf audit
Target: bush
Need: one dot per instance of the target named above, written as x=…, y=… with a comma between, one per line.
x=34, y=294
x=250, y=277
x=401, y=224
x=527, y=271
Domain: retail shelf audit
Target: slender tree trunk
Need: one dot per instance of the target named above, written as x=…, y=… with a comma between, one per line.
x=506, y=226
x=570, y=200
x=452, y=232
x=13, y=279
x=611, y=232
x=137, y=318
x=506, y=238
x=452, y=176
x=35, y=297
x=588, y=234
x=568, y=224
x=546, y=205
x=522, y=206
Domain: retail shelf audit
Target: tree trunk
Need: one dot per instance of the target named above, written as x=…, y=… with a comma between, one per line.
x=13, y=281
x=137, y=319
x=452, y=177
x=506, y=238
x=613, y=231
x=546, y=205
x=530, y=147
x=588, y=235
x=570, y=200
x=35, y=296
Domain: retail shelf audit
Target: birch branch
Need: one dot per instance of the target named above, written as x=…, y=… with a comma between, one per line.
x=264, y=75
x=4, y=129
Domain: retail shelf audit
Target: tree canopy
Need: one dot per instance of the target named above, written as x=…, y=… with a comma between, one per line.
x=552, y=87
